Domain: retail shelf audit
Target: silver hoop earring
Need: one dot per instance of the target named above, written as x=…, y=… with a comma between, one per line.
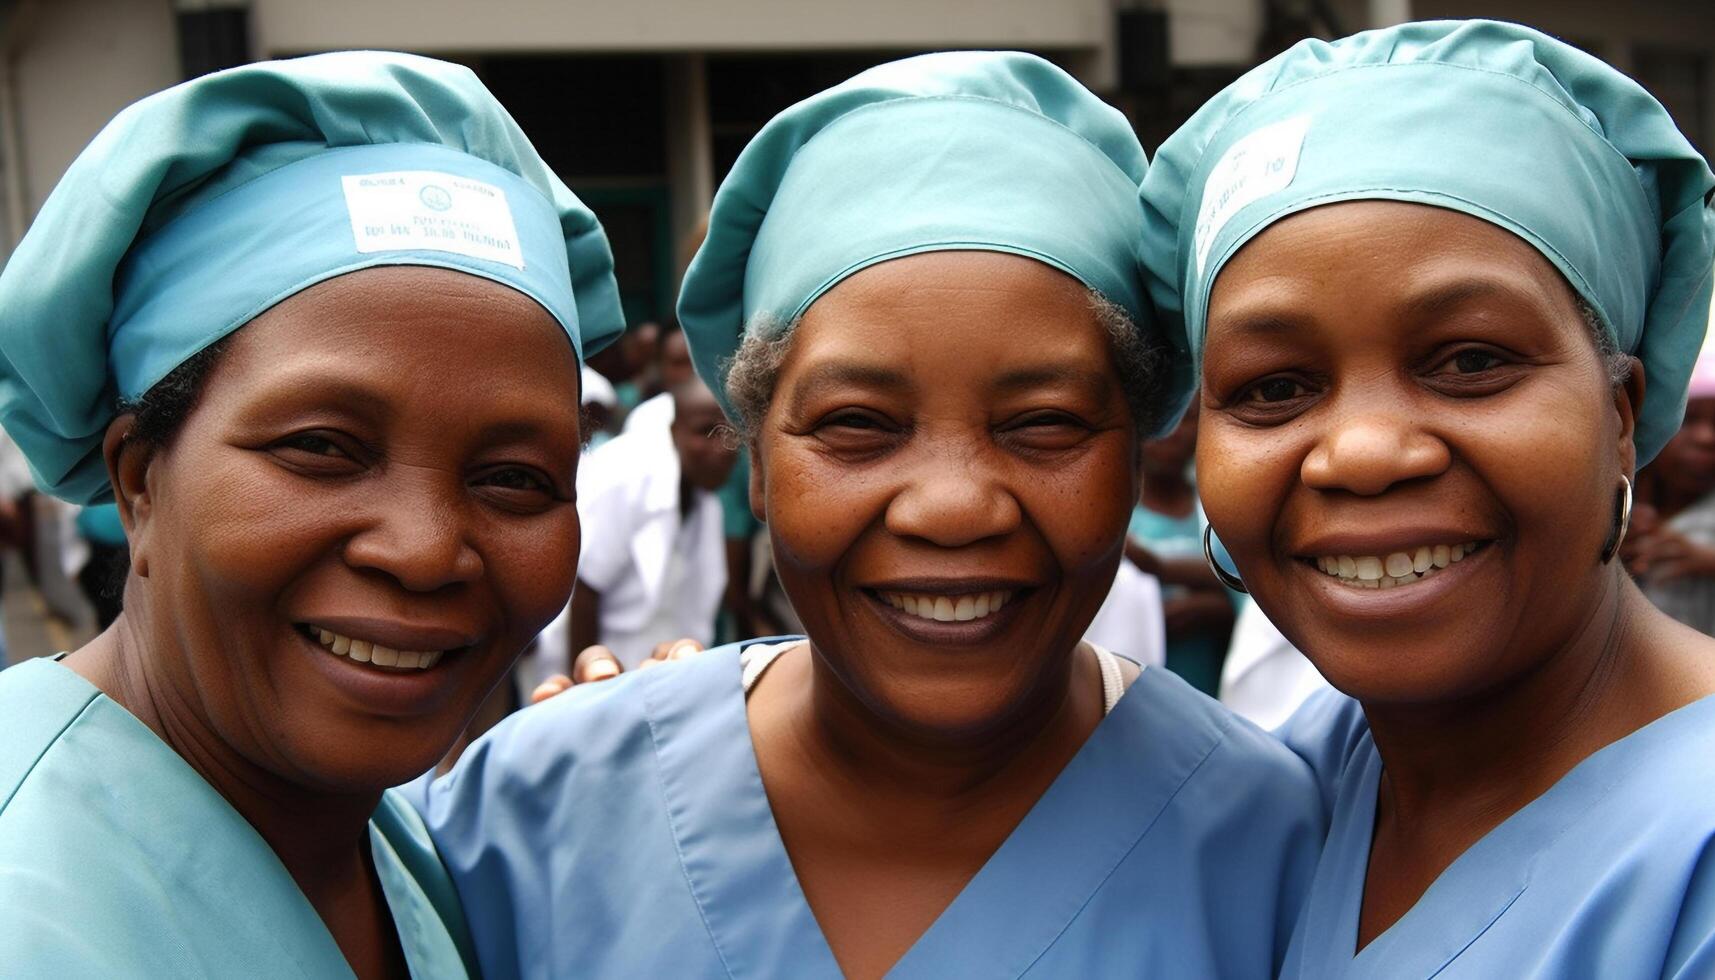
x=1225, y=577
x=1624, y=522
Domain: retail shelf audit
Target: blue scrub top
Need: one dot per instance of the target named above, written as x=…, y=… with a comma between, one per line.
x=1610, y=873
x=117, y=860
x=622, y=830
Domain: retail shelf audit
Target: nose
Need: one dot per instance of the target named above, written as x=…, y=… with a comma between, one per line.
x=951, y=504
x=417, y=535
x=1367, y=453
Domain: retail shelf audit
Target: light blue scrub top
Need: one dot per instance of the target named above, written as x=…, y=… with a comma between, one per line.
x=117, y=860
x=622, y=830
x=1611, y=873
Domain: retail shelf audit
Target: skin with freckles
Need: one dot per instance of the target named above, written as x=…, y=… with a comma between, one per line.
x=944, y=423
x=339, y=469
x=1379, y=376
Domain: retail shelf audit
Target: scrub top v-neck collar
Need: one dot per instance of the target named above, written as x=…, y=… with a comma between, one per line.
x=1059, y=855
x=1473, y=892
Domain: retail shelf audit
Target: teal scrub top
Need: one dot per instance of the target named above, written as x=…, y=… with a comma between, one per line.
x=622, y=830
x=1610, y=873
x=117, y=860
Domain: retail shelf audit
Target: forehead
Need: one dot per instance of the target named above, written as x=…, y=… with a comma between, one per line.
x=1383, y=256
x=406, y=333
x=985, y=306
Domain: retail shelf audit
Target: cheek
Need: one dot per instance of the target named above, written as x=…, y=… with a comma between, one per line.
x=1243, y=478
x=533, y=564
x=1082, y=509
x=816, y=510
x=238, y=523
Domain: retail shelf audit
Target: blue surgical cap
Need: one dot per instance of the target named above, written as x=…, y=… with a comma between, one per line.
x=200, y=207
x=973, y=150
x=1493, y=120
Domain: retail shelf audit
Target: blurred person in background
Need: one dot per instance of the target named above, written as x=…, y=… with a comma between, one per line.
x=600, y=405
x=102, y=576
x=250, y=314
x=1671, y=546
x=1265, y=678
x=1165, y=539
x=653, y=562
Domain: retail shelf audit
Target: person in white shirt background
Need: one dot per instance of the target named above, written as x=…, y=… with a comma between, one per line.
x=653, y=563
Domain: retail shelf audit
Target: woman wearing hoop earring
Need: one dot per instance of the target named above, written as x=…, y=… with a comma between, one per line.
x=1427, y=272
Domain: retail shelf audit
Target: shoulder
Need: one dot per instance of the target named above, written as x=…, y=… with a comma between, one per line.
x=592, y=737
x=622, y=464
x=40, y=701
x=1255, y=767
x=1328, y=732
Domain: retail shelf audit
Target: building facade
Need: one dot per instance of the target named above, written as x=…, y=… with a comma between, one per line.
x=642, y=105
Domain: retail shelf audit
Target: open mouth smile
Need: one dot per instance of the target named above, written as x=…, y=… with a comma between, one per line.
x=948, y=608
x=1395, y=569
x=368, y=652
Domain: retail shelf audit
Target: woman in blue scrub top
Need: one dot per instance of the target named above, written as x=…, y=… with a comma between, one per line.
x=1448, y=281
x=312, y=325
x=920, y=297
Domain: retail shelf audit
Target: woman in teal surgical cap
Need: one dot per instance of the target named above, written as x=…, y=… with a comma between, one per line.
x=920, y=296
x=1447, y=282
x=316, y=327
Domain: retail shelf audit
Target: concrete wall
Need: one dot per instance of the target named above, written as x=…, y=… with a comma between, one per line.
x=79, y=62
x=677, y=25
x=1612, y=31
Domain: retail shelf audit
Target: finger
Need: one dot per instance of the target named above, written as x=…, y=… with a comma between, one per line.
x=648, y=663
x=595, y=663
x=557, y=684
x=660, y=651
x=683, y=649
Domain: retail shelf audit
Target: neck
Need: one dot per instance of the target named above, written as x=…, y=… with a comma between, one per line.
x=1488, y=755
x=321, y=837
x=687, y=497
x=951, y=773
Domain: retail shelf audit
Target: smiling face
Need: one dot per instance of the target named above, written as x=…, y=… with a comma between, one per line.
x=1411, y=447
x=946, y=469
x=345, y=492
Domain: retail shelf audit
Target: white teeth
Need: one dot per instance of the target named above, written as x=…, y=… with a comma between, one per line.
x=948, y=609
x=365, y=651
x=1394, y=569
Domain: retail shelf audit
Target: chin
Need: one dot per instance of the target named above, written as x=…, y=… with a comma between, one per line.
x=370, y=760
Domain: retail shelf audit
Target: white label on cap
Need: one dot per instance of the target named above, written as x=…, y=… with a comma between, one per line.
x=1261, y=164
x=424, y=209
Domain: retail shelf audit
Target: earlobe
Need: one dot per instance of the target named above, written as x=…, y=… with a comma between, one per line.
x=128, y=469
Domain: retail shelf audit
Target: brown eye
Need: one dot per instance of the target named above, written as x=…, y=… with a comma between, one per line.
x=1474, y=361
x=1277, y=390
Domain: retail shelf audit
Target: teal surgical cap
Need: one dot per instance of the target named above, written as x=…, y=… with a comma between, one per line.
x=974, y=150
x=1493, y=120
x=200, y=207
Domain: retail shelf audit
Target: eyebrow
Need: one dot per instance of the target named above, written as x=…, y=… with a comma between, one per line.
x=1440, y=300
x=1049, y=374
x=848, y=374
x=1435, y=301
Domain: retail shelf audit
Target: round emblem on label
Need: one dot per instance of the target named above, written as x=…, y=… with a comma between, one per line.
x=435, y=197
